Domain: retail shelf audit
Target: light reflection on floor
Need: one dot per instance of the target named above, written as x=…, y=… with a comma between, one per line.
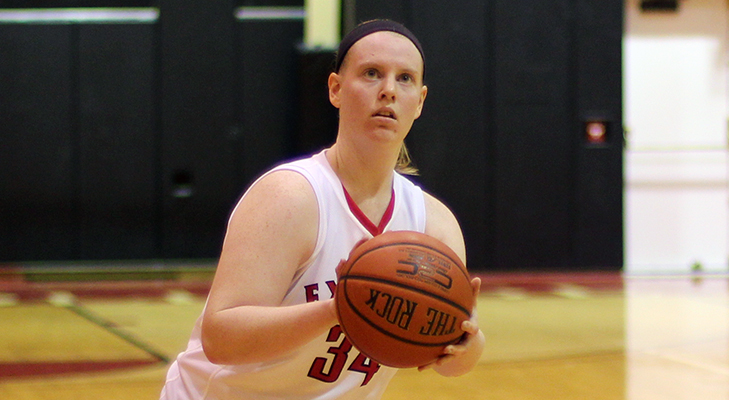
x=677, y=338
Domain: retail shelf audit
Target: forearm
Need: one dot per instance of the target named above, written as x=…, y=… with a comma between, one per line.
x=256, y=333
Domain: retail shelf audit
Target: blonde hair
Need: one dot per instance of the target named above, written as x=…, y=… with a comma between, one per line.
x=404, y=163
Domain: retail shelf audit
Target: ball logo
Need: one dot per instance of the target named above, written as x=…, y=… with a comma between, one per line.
x=439, y=323
x=426, y=268
x=393, y=309
x=400, y=312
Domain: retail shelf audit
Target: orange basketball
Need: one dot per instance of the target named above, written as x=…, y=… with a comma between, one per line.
x=401, y=298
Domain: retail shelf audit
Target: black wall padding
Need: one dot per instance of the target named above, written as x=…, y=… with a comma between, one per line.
x=318, y=119
x=37, y=143
x=598, y=86
x=267, y=101
x=448, y=141
x=535, y=149
x=116, y=143
x=135, y=140
x=198, y=154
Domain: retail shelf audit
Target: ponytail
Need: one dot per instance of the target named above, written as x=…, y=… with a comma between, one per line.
x=405, y=163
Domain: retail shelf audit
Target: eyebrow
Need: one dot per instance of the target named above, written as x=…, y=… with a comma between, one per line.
x=377, y=65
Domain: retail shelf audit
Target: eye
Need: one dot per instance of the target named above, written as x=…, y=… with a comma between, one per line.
x=371, y=73
x=407, y=78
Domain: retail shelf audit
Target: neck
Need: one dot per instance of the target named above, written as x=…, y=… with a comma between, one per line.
x=365, y=174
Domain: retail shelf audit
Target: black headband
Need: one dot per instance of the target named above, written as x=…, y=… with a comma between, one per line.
x=370, y=27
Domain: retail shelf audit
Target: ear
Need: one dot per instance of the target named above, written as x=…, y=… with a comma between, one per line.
x=423, y=95
x=335, y=87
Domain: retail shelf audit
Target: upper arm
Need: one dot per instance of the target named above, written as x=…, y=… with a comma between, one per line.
x=442, y=224
x=271, y=232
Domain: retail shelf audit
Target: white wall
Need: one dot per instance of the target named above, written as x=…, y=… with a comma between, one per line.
x=676, y=88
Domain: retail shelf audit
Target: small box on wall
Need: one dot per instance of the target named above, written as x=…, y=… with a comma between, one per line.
x=596, y=131
x=596, y=128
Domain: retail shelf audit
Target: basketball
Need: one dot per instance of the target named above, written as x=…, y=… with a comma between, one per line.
x=402, y=297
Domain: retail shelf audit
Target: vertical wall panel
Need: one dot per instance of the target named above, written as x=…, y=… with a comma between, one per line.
x=198, y=153
x=449, y=141
x=535, y=150
x=318, y=119
x=117, y=164
x=37, y=126
x=267, y=101
x=599, y=201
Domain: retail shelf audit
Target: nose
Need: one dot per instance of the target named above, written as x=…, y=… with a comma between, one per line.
x=388, y=88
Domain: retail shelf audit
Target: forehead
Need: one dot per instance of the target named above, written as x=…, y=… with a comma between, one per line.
x=385, y=47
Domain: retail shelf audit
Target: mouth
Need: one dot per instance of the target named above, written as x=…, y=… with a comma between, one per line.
x=385, y=113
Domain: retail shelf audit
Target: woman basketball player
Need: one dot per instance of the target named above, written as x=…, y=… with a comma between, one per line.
x=269, y=329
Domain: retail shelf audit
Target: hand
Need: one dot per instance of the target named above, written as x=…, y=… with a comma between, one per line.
x=339, y=267
x=468, y=349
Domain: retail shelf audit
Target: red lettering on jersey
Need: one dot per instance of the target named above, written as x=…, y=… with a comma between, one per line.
x=332, y=287
x=326, y=371
x=312, y=292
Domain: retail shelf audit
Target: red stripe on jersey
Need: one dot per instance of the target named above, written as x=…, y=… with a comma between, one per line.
x=362, y=218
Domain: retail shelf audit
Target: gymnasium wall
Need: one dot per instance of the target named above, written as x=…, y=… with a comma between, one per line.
x=132, y=140
x=131, y=136
x=677, y=165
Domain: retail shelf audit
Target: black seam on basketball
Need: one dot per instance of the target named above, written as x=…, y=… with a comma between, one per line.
x=457, y=263
x=404, y=286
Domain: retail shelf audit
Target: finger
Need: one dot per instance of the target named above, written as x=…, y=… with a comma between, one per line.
x=470, y=327
x=426, y=366
x=454, y=350
x=447, y=351
x=338, y=269
x=333, y=307
x=360, y=243
x=476, y=286
x=444, y=360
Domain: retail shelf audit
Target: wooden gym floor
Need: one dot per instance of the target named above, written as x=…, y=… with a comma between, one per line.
x=108, y=333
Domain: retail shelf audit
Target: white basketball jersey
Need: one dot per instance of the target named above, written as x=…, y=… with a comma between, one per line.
x=327, y=367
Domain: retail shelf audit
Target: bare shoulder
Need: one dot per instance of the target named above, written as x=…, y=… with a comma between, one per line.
x=442, y=224
x=271, y=232
x=279, y=207
x=283, y=181
x=281, y=187
x=283, y=195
